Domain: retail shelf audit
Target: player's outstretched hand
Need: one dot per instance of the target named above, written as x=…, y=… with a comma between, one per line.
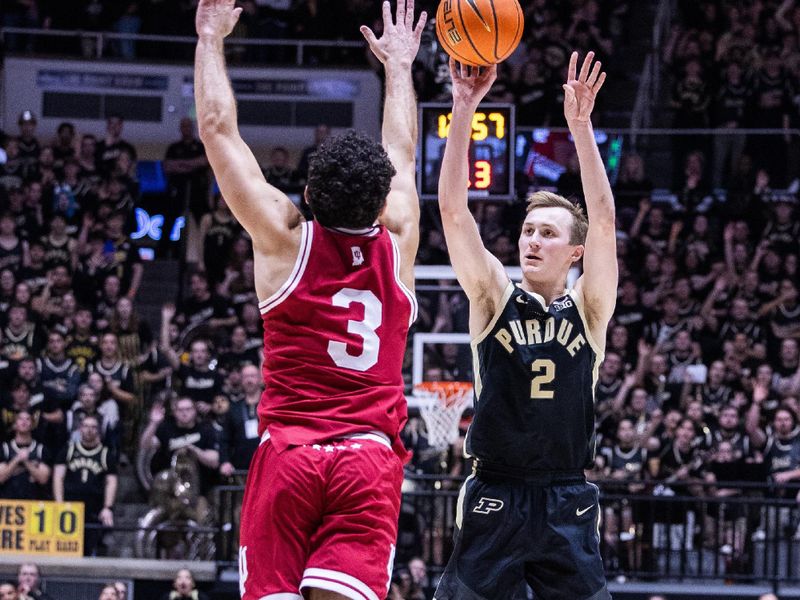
x=216, y=18
x=471, y=84
x=400, y=40
x=581, y=90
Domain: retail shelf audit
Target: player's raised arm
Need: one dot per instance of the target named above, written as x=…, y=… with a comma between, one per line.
x=263, y=210
x=598, y=284
x=478, y=271
x=396, y=49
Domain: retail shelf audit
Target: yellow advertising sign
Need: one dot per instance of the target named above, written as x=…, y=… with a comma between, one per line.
x=38, y=527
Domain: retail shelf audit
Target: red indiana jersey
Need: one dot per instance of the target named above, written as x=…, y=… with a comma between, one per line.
x=334, y=340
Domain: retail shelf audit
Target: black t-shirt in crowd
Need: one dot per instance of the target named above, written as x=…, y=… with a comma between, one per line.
x=20, y=486
x=197, y=312
x=173, y=438
x=200, y=386
x=85, y=479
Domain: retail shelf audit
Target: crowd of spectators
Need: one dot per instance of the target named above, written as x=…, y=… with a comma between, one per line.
x=736, y=65
x=28, y=586
x=82, y=373
x=701, y=377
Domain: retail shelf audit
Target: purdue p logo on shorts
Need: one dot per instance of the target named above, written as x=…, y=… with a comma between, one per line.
x=488, y=505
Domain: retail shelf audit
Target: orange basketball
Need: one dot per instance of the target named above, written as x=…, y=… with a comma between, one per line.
x=479, y=33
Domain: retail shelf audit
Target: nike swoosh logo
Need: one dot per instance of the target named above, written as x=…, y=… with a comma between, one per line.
x=580, y=512
x=521, y=300
x=474, y=7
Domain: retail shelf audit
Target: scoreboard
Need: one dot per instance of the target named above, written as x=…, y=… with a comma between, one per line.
x=491, y=151
x=47, y=528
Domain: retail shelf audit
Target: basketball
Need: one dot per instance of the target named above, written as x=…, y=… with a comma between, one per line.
x=479, y=33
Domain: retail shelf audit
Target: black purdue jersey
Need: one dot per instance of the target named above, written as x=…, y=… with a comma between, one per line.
x=536, y=369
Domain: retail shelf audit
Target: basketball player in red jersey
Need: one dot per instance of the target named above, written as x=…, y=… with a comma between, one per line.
x=319, y=518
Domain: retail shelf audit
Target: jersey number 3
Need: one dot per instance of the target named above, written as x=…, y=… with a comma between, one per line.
x=365, y=329
x=547, y=368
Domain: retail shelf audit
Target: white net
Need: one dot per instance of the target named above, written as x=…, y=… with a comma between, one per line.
x=441, y=407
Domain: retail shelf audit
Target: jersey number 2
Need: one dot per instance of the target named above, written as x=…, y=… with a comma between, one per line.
x=365, y=329
x=548, y=369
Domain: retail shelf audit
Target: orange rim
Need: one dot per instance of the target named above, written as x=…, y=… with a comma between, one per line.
x=444, y=389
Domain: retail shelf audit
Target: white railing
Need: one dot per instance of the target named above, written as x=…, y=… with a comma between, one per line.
x=100, y=41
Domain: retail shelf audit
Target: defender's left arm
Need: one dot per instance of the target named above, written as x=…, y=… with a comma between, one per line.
x=396, y=49
x=598, y=284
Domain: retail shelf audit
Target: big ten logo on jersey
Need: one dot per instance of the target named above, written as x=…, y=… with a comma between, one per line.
x=358, y=256
x=488, y=505
x=563, y=304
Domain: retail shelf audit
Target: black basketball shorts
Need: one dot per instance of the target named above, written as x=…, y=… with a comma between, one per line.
x=511, y=532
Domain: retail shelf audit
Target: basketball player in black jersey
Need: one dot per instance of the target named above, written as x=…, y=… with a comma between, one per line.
x=527, y=513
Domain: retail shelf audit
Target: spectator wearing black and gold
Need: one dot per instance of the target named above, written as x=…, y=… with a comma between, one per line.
x=82, y=346
x=20, y=337
x=47, y=418
x=24, y=463
x=58, y=374
x=86, y=471
x=182, y=432
x=200, y=380
x=203, y=308
x=124, y=257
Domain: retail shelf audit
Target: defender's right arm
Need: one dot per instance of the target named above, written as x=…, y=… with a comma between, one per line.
x=480, y=274
x=264, y=211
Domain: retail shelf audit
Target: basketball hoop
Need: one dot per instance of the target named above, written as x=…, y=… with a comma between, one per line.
x=441, y=404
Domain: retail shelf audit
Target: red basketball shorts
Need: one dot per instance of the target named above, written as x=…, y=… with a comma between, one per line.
x=322, y=516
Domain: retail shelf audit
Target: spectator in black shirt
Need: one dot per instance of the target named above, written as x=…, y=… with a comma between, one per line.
x=24, y=468
x=64, y=146
x=86, y=471
x=690, y=99
x=184, y=433
x=87, y=160
x=186, y=168
x=115, y=373
x=113, y=145
x=730, y=109
x=34, y=273
x=218, y=231
x=198, y=380
x=771, y=108
x=125, y=262
x=29, y=147
x=203, y=307
x=238, y=354
x=82, y=346
x=280, y=173
x=58, y=374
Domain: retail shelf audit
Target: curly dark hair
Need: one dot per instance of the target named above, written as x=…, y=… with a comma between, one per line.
x=348, y=180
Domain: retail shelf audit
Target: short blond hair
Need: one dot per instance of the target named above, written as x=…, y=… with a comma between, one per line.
x=580, y=223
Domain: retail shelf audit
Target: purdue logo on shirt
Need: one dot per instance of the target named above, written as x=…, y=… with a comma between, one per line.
x=488, y=505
